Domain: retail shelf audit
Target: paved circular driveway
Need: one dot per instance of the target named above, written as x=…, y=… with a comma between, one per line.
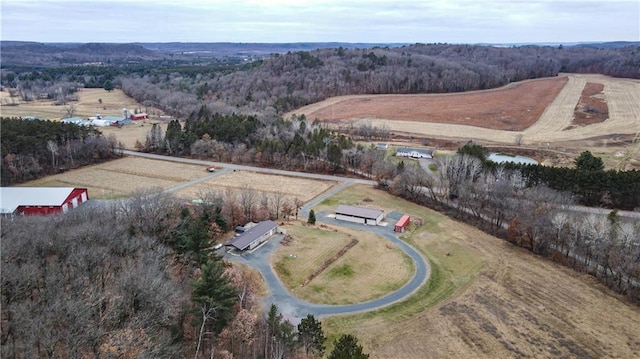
x=295, y=309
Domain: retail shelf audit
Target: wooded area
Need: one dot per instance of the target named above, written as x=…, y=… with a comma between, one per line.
x=137, y=279
x=505, y=203
x=34, y=148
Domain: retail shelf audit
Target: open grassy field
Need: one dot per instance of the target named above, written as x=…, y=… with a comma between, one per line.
x=488, y=299
x=292, y=187
x=88, y=104
x=449, y=117
x=122, y=176
x=374, y=266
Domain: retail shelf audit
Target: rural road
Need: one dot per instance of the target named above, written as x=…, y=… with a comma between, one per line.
x=229, y=166
x=235, y=167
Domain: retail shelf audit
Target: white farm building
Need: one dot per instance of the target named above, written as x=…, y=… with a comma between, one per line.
x=359, y=215
x=414, y=152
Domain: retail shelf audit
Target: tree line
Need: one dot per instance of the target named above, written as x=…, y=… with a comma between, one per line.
x=589, y=183
x=235, y=138
x=34, y=148
x=505, y=203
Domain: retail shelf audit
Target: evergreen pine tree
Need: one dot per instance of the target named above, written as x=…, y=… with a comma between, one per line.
x=311, y=336
x=347, y=347
x=312, y=217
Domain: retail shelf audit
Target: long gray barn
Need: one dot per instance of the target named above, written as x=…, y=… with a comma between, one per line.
x=359, y=215
x=254, y=236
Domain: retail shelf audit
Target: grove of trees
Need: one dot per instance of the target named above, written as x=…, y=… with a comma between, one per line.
x=505, y=202
x=34, y=148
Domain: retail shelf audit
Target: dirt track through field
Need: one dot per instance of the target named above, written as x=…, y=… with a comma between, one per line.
x=559, y=114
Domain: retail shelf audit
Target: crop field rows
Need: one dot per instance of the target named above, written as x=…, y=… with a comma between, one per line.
x=292, y=188
x=120, y=177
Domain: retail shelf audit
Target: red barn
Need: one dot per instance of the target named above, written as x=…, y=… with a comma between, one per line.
x=41, y=200
x=139, y=116
x=402, y=224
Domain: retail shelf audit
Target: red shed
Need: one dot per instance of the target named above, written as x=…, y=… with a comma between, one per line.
x=402, y=224
x=139, y=116
x=41, y=200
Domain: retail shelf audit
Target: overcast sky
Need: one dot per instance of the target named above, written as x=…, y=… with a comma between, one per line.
x=373, y=21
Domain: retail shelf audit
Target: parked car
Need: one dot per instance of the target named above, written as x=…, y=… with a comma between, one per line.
x=211, y=169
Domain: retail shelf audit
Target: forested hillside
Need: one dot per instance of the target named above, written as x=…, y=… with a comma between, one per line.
x=137, y=279
x=285, y=82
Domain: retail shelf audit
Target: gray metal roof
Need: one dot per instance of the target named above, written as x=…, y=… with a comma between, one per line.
x=12, y=197
x=358, y=211
x=418, y=150
x=243, y=241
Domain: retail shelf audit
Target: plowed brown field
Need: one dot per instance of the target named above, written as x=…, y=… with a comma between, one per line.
x=505, y=116
x=513, y=107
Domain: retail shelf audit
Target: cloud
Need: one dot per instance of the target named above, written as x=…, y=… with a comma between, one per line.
x=321, y=20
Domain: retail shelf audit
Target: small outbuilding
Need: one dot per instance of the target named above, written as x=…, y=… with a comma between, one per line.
x=402, y=224
x=359, y=215
x=414, y=152
x=139, y=116
x=254, y=236
x=41, y=200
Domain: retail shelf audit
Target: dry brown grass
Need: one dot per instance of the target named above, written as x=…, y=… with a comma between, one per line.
x=513, y=107
x=123, y=176
x=622, y=97
x=88, y=104
x=292, y=187
x=128, y=135
x=371, y=266
x=488, y=299
x=591, y=108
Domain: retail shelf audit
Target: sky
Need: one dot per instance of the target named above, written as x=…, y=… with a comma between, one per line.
x=281, y=21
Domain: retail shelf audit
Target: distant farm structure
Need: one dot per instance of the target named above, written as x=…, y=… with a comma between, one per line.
x=414, y=152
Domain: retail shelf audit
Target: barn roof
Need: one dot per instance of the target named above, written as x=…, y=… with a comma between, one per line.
x=243, y=241
x=13, y=197
x=425, y=151
x=358, y=212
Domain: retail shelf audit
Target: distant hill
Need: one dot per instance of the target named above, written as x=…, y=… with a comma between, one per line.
x=609, y=45
x=25, y=53
x=41, y=54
